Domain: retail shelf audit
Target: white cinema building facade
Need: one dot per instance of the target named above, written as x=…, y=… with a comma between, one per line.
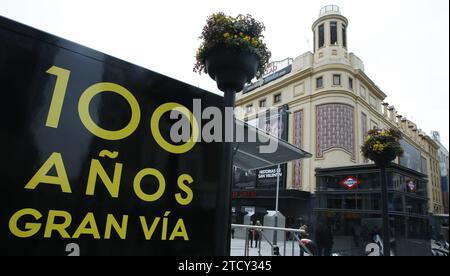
x=327, y=104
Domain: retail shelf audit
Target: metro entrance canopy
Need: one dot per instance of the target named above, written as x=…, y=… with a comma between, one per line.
x=247, y=155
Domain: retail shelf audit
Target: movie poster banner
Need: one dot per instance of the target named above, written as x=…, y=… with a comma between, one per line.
x=266, y=178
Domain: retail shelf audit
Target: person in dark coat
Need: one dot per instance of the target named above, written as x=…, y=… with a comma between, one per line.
x=324, y=239
x=251, y=234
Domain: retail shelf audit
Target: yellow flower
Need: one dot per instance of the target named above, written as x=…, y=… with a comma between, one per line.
x=378, y=147
x=247, y=38
x=226, y=35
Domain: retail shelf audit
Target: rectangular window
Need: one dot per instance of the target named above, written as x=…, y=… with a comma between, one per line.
x=333, y=33
x=363, y=92
x=344, y=36
x=336, y=79
x=372, y=101
x=350, y=83
x=262, y=103
x=249, y=109
x=319, y=82
x=277, y=98
x=321, y=36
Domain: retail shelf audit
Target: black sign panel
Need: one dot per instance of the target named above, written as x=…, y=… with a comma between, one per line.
x=268, y=79
x=87, y=164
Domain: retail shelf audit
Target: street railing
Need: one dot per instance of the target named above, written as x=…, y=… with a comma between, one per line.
x=274, y=248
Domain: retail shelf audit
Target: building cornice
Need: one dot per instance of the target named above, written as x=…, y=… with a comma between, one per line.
x=324, y=94
x=298, y=76
x=367, y=81
x=332, y=67
x=277, y=85
x=431, y=142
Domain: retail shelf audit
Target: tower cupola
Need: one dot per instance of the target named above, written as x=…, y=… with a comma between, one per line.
x=330, y=29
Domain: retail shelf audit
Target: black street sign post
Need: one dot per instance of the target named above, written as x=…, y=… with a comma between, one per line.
x=88, y=166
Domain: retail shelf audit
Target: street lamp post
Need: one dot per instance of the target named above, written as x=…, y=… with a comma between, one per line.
x=224, y=193
x=231, y=70
x=383, y=146
x=275, y=234
x=385, y=212
x=277, y=196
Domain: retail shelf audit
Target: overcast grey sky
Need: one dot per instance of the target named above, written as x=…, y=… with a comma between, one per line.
x=404, y=43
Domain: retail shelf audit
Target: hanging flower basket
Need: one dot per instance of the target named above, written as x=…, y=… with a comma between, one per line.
x=232, y=51
x=231, y=68
x=382, y=146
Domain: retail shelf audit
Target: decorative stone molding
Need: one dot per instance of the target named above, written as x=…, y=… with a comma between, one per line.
x=335, y=128
x=298, y=141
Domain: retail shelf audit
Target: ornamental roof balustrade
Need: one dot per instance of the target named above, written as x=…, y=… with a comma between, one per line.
x=329, y=9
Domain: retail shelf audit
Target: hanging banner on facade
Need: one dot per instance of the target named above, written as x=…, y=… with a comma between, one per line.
x=87, y=163
x=266, y=178
x=277, y=126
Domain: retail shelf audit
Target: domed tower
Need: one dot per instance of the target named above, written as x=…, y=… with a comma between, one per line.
x=330, y=34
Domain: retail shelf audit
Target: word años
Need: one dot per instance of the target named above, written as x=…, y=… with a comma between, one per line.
x=112, y=185
x=58, y=222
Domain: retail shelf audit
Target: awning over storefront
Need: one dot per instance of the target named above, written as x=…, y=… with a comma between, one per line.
x=248, y=155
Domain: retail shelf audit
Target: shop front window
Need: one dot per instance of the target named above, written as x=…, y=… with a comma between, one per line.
x=354, y=214
x=396, y=203
x=353, y=202
x=334, y=202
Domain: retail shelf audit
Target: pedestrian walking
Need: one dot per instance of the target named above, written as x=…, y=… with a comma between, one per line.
x=258, y=234
x=251, y=235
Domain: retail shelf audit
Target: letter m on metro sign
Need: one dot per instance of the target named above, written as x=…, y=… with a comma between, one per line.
x=88, y=167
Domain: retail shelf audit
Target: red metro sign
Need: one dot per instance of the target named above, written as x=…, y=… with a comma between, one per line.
x=412, y=186
x=350, y=182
